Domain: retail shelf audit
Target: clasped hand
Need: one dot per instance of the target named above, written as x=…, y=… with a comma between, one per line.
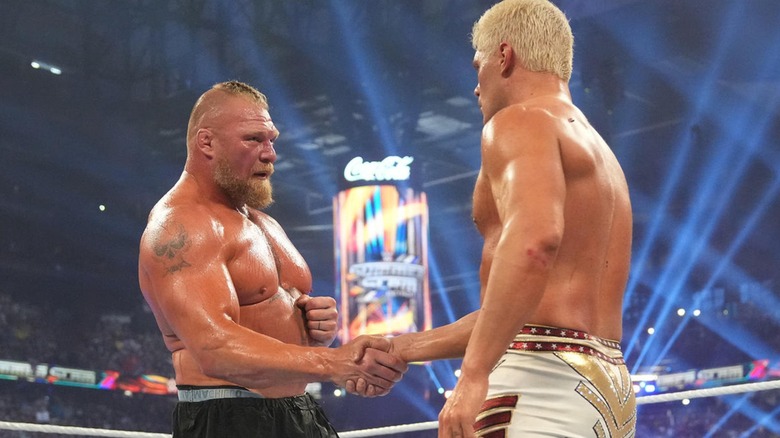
x=379, y=368
x=368, y=358
x=321, y=318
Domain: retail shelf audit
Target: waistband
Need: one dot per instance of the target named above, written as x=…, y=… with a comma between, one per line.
x=544, y=338
x=200, y=394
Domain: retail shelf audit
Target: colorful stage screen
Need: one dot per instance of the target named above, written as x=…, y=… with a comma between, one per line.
x=86, y=378
x=381, y=248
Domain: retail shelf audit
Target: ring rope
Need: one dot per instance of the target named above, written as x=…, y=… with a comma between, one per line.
x=83, y=431
x=709, y=392
x=387, y=430
x=413, y=427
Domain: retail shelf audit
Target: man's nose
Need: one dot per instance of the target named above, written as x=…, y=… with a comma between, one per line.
x=476, y=90
x=268, y=155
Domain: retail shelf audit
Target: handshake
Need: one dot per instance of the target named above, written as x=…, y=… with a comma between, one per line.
x=368, y=366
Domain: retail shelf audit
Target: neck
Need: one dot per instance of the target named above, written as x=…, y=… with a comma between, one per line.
x=528, y=85
x=206, y=189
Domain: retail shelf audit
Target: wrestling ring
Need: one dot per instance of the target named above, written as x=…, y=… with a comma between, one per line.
x=388, y=430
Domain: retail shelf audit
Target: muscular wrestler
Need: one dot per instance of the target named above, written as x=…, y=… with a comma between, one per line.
x=231, y=294
x=542, y=356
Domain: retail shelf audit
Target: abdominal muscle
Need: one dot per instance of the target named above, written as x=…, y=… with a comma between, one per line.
x=276, y=317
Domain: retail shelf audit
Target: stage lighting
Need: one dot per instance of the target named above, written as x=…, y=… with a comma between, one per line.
x=39, y=65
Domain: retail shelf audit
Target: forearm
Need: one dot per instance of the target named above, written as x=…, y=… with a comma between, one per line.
x=257, y=361
x=512, y=295
x=445, y=342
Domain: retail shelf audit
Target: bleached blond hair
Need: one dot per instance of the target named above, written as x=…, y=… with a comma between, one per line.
x=537, y=30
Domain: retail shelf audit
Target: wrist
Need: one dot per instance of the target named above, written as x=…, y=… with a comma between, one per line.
x=399, y=346
x=470, y=371
x=322, y=362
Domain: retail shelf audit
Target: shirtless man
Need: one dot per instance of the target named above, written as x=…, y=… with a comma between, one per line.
x=542, y=356
x=229, y=290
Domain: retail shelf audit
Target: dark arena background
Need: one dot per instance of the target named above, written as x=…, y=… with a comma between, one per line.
x=94, y=102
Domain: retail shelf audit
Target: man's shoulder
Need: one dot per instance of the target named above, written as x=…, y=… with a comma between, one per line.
x=172, y=208
x=534, y=114
x=521, y=124
x=263, y=219
x=177, y=218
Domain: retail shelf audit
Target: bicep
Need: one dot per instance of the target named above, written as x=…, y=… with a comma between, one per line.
x=526, y=175
x=197, y=304
x=188, y=282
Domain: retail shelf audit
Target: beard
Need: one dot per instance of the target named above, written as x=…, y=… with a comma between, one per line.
x=254, y=193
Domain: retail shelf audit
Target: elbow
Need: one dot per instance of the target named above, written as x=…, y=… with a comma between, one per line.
x=210, y=365
x=542, y=251
x=211, y=357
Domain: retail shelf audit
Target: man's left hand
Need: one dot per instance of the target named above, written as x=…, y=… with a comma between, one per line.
x=460, y=411
x=321, y=318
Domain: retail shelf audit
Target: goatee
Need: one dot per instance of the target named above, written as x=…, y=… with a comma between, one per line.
x=254, y=193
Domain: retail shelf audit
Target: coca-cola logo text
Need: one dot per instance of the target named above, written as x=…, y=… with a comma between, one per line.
x=391, y=168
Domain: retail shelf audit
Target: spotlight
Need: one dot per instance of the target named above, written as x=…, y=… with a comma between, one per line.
x=696, y=312
x=447, y=393
x=681, y=312
x=686, y=402
x=650, y=331
x=42, y=65
x=338, y=392
x=441, y=390
x=457, y=373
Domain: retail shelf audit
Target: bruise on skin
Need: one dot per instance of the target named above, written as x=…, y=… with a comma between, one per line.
x=539, y=257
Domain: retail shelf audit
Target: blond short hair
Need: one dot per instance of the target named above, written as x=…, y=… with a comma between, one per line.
x=537, y=30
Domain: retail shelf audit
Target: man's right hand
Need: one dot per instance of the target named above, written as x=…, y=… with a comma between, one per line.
x=363, y=387
x=373, y=365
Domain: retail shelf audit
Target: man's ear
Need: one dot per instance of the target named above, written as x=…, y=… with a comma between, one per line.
x=203, y=140
x=507, y=61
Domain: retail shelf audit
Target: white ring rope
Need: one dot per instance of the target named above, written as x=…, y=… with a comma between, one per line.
x=709, y=392
x=414, y=427
x=83, y=431
x=387, y=430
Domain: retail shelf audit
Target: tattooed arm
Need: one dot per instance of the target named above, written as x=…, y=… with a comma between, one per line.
x=185, y=277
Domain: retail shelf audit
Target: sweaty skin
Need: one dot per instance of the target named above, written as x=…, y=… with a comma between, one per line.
x=228, y=289
x=223, y=248
x=552, y=204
